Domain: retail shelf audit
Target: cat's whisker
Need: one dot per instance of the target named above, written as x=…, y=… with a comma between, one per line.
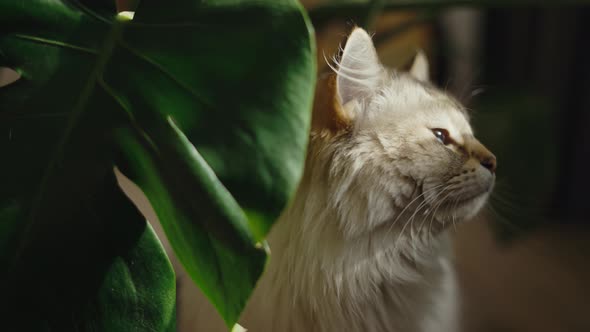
x=411, y=202
x=502, y=219
x=433, y=215
x=434, y=207
x=453, y=215
x=426, y=203
x=422, y=205
x=438, y=205
x=434, y=210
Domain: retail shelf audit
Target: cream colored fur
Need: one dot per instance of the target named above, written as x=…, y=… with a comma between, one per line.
x=362, y=246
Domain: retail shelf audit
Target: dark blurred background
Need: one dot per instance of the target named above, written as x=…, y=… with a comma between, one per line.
x=524, y=72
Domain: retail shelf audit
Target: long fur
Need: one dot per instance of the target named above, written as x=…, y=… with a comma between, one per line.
x=363, y=244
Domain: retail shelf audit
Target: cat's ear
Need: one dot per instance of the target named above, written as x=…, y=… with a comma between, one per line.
x=359, y=71
x=420, y=68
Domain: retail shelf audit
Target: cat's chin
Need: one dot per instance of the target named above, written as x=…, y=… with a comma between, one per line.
x=462, y=210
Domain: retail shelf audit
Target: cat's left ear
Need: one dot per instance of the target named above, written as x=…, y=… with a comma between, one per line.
x=359, y=71
x=420, y=68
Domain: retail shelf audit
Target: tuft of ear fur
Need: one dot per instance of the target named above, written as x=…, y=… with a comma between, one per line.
x=359, y=71
x=328, y=113
x=420, y=68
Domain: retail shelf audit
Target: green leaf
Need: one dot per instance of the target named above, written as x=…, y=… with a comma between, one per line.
x=220, y=257
x=205, y=105
x=135, y=290
x=239, y=84
x=99, y=269
x=75, y=248
x=244, y=74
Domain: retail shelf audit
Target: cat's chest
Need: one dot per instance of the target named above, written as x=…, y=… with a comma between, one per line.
x=391, y=310
x=295, y=298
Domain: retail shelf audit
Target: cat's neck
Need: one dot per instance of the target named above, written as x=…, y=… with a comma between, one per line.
x=324, y=280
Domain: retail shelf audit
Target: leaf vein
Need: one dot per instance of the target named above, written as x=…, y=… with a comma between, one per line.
x=57, y=43
x=166, y=73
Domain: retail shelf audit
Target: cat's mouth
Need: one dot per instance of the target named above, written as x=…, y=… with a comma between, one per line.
x=458, y=209
x=457, y=203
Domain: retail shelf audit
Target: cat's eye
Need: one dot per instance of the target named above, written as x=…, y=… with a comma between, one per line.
x=442, y=135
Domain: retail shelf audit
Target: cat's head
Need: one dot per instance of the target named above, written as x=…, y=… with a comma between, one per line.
x=396, y=148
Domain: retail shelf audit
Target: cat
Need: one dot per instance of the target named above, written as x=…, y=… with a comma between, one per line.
x=392, y=163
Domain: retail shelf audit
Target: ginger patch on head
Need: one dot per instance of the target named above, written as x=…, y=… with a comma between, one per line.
x=328, y=115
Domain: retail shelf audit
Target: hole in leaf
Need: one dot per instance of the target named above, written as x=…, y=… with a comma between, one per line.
x=8, y=76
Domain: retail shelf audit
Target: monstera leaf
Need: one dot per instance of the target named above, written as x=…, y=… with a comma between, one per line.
x=203, y=104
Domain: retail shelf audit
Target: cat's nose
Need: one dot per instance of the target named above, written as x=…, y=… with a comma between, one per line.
x=482, y=154
x=489, y=162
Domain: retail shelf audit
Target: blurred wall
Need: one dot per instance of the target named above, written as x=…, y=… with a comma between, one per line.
x=524, y=73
